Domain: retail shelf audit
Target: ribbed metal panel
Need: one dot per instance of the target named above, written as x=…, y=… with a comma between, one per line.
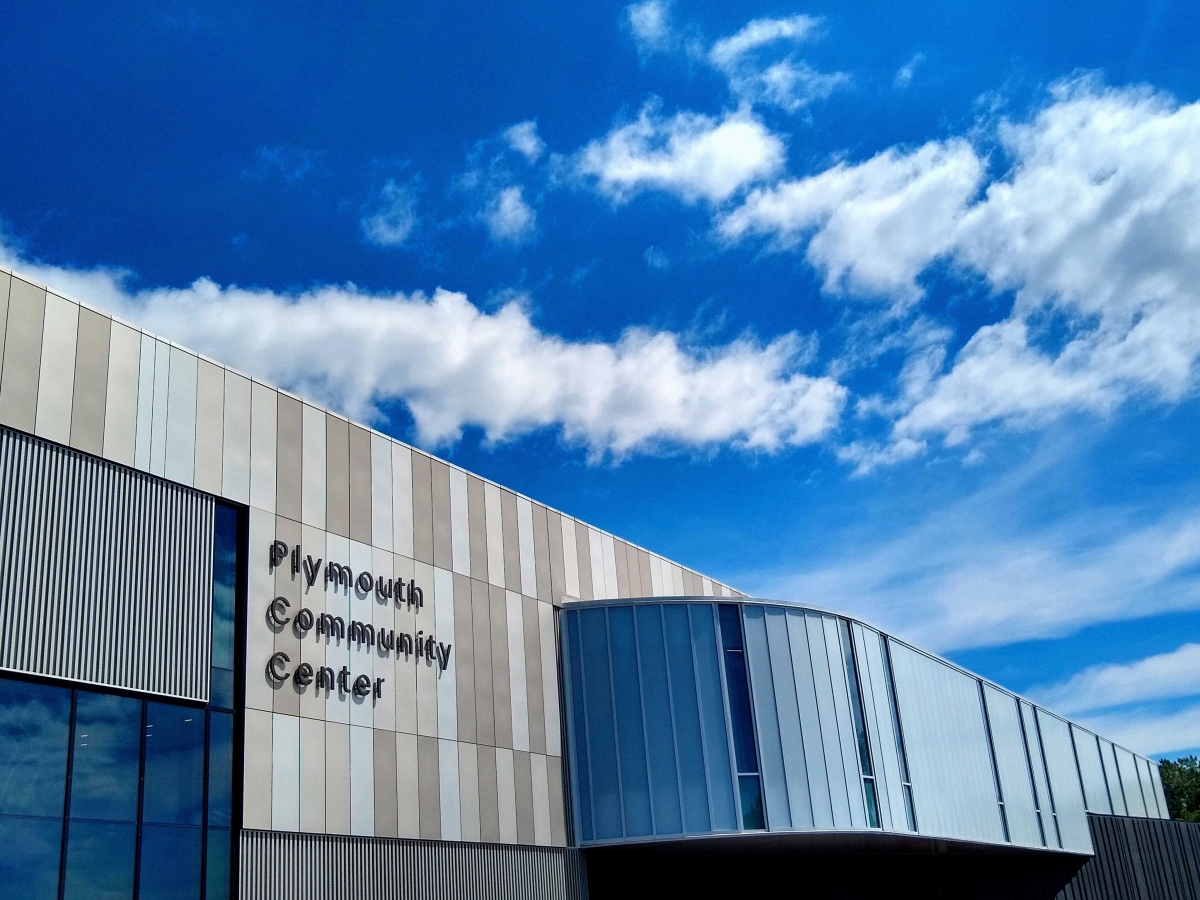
x=1139, y=859
x=107, y=575
x=332, y=867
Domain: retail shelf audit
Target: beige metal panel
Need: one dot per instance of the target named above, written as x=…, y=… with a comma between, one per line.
x=422, y=507
x=464, y=658
x=121, y=395
x=285, y=773
x=558, y=803
x=558, y=571
x=599, y=576
x=449, y=791
x=512, y=546
x=85, y=545
x=477, y=528
x=494, y=527
x=5, y=284
x=506, y=795
x=383, y=616
x=360, y=608
x=22, y=355
x=337, y=778
x=541, y=551
x=501, y=684
x=260, y=591
x=264, y=430
x=583, y=550
x=312, y=648
x=460, y=530
x=402, y=501
x=644, y=567
x=706, y=586
x=446, y=679
x=622, y=569
x=656, y=578
x=407, y=786
x=180, y=450
x=56, y=383
x=362, y=781
x=610, y=566
x=337, y=475
x=91, y=382
x=427, y=689
x=443, y=532
x=289, y=458
x=534, y=689
x=159, y=407
x=210, y=412
x=541, y=799
x=256, y=785
x=235, y=447
x=570, y=557
x=489, y=810
x=549, y=651
x=518, y=691
x=286, y=697
x=523, y=781
x=381, y=492
x=360, y=484
x=312, y=775
x=481, y=651
x=145, y=402
x=405, y=669
x=429, y=788
x=468, y=791
x=313, y=466
x=528, y=552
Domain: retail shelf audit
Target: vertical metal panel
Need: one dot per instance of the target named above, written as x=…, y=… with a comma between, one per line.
x=489, y=809
x=105, y=569
x=312, y=775
x=422, y=507
x=449, y=808
x=570, y=557
x=550, y=678
x=477, y=528
x=1116, y=794
x=321, y=867
x=528, y=551
x=948, y=756
x=1139, y=859
x=1064, y=782
x=1012, y=765
x=534, y=690
x=180, y=463
x=512, y=545
x=766, y=719
x=210, y=407
x=57, y=380
x=790, y=735
x=464, y=651
x=264, y=432
x=256, y=781
x=121, y=395
x=337, y=475
x=360, y=484
x=235, y=449
x=1152, y=807
x=5, y=285
x=145, y=403
x=810, y=719
x=22, y=355
x=517, y=684
x=885, y=745
x=1091, y=769
x=468, y=791
x=558, y=570
x=583, y=550
x=443, y=531
x=91, y=382
x=1130, y=783
x=1037, y=764
x=1156, y=777
x=831, y=745
x=402, y=500
x=846, y=731
x=523, y=782
x=541, y=553
x=381, y=492
x=285, y=773
x=460, y=528
x=289, y=459
x=160, y=407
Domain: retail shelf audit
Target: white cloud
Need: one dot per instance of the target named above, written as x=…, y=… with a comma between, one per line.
x=509, y=218
x=393, y=217
x=455, y=366
x=1174, y=674
x=691, y=155
x=759, y=33
x=904, y=75
x=1152, y=734
x=650, y=23
x=524, y=139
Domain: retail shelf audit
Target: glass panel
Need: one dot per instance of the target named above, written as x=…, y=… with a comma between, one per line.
x=635, y=786
x=217, y=875
x=762, y=686
x=689, y=743
x=856, y=708
x=602, y=737
x=739, y=691
x=34, y=733
x=664, y=779
x=100, y=858
x=220, y=769
x=752, y=807
x=225, y=569
x=104, y=772
x=174, y=786
x=712, y=709
x=872, y=807
x=170, y=864
x=29, y=863
x=579, y=726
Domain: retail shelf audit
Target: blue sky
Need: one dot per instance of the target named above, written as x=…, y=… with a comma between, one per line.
x=891, y=309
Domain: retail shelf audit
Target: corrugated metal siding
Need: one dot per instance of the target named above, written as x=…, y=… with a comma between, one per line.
x=107, y=575
x=1139, y=859
x=330, y=867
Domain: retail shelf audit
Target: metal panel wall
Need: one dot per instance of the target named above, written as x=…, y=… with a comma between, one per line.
x=1012, y=765
x=327, y=867
x=1064, y=782
x=107, y=575
x=1091, y=770
x=1139, y=859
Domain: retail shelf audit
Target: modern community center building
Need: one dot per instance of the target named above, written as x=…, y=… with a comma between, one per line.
x=249, y=648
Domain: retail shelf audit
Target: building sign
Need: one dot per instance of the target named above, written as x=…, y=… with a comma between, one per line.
x=419, y=646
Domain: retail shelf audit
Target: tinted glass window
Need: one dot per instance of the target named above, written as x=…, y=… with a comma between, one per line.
x=692, y=775
x=597, y=686
x=712, y=708
x=29, y=863
x=170, y=865
x=217, y=879
x=631, y=738
x=220, y=770
x=582, y=768
x=34, y=734
x=225, y=570
x=100, y=860
x=659, y=733
x=104, y=770
x=174, y=787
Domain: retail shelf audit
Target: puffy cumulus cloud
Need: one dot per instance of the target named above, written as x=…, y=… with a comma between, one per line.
x=393, y=217
x=509, y=218
x=650, y=24
x=455, y=366
x=870, y=228
x=1174, y=674
x=524, y=139
x=694, y=156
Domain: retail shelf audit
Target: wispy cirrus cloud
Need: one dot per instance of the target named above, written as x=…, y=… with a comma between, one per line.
x=1164, y=675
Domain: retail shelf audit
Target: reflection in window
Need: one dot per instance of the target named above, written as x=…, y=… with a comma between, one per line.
x=174, y=788
x=225, y=578
x=738, y=688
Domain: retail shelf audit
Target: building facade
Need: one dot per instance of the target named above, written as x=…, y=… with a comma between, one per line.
x=251, y=648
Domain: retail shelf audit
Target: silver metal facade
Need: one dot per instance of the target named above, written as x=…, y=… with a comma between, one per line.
x=107, y=574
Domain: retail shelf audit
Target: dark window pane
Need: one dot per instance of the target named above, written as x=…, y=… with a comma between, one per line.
x=582, y=767
x=635, y=786
x=752, y=807
x=225, y=569
x=170, y=863
x=692, y=776
x=220, y=692
x=712, y=710
x=174, y=788
x=739, y=712
x=602, y=746
x=217, y=867
x=34, y=734
x=856, y=708
x=100, y=857
x=29, y=861
x=731, y=628
x=660, y=737
x=104, y=776
x=872, y=805
x=220, y=769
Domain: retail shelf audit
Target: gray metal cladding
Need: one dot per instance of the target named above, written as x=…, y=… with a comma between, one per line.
x=881, y=725
x=1139, y=859
x=1013, y=768
x=329, y=867
x=1091, y=770
x=108, y=572
x=1065, y=786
